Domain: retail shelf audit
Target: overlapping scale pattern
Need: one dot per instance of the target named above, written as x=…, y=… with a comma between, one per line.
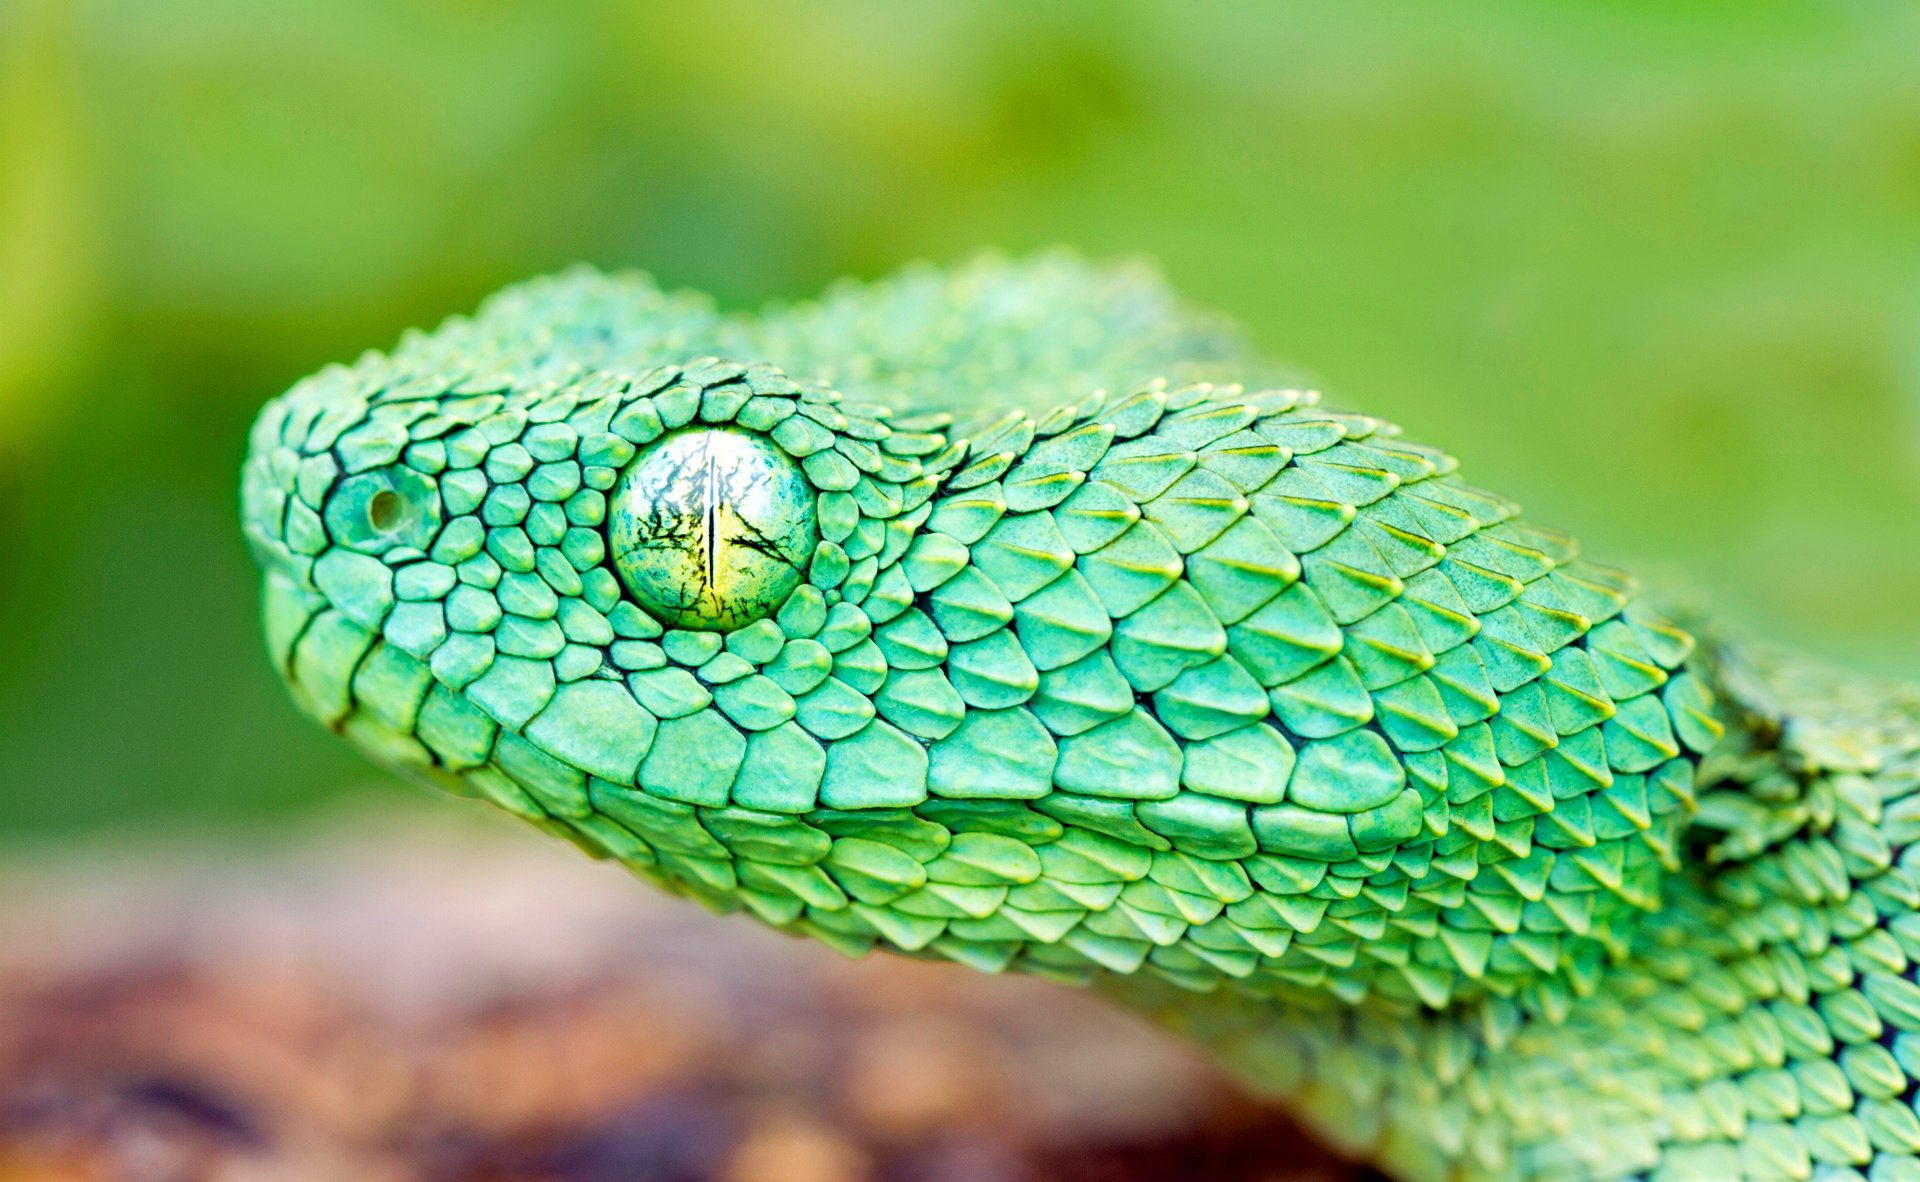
x=1319, y=714
x=1763, y=1026
x=1244, y=707
x=1199, y=652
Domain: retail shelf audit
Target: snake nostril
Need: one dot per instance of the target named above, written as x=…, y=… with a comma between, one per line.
x=385, y=511
x=373, y=512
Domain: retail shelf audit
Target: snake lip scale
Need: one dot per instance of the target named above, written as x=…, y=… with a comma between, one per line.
x=1021, y=616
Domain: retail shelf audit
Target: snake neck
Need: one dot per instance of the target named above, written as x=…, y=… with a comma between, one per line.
x=1760, y=1020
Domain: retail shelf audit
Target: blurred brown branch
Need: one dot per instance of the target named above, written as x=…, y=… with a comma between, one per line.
x=404, y=999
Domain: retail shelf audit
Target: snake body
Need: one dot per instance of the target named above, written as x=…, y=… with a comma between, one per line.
x=1021, y=616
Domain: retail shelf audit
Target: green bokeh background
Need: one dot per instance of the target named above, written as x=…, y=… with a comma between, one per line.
x=1654, y=268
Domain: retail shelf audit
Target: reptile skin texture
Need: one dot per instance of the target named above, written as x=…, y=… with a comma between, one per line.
x=1020, y=616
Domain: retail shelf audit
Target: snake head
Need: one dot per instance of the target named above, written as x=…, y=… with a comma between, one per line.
x=581, y=591
x=1202, y=681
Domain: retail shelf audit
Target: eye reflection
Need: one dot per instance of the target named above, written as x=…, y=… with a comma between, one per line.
x=712, y=529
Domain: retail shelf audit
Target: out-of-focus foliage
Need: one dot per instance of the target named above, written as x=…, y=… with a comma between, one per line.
x=1687, y=234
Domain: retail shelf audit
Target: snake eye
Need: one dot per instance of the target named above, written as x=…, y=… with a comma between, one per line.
x=712, y=529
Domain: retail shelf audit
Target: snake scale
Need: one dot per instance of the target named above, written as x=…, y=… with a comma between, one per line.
x=1021, y=616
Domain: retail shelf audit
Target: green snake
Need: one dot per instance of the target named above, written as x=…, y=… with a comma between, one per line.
x=1020, y=615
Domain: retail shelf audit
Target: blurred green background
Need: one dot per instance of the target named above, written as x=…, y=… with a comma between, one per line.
x=1654, y=268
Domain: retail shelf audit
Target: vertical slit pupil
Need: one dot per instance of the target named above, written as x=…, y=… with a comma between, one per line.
x=712, y=517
